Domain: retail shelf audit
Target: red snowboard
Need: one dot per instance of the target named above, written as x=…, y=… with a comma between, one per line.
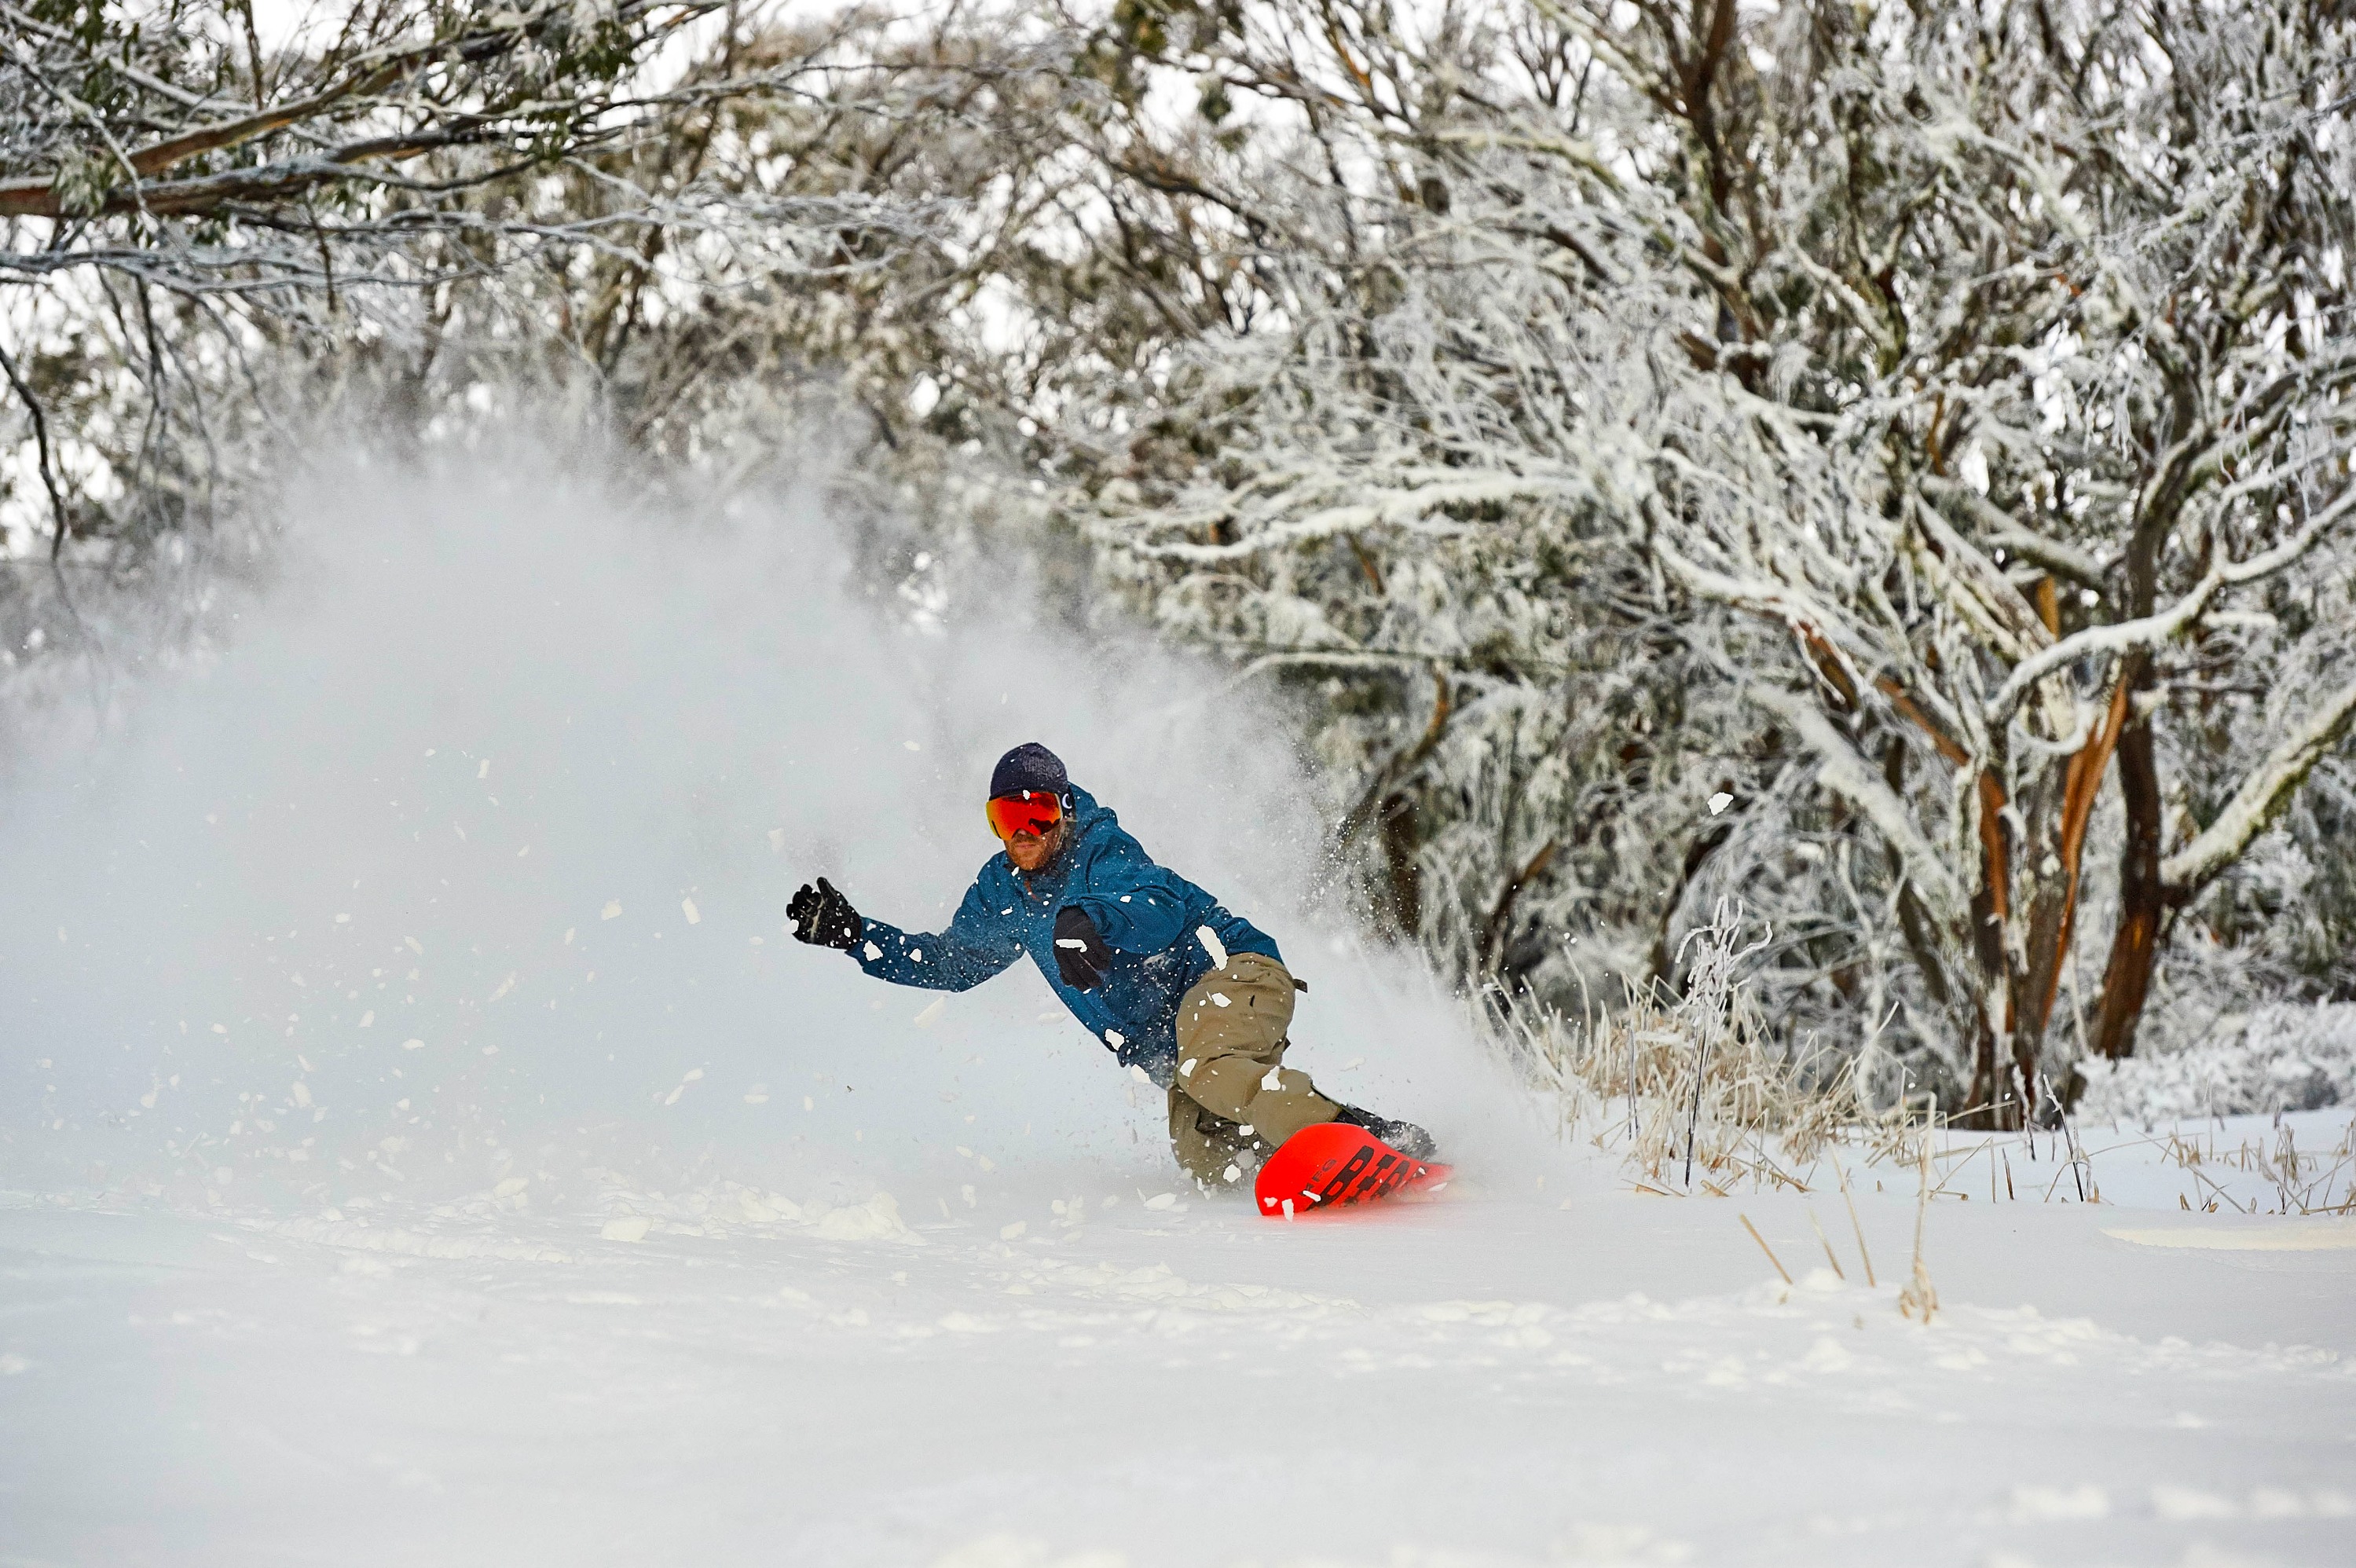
x=1333, y=1165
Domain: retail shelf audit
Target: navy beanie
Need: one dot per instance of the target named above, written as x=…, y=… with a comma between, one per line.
x=1029, y=766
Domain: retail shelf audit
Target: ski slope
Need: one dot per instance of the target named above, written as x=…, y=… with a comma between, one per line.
x=1062, y=1375
x=419, y=1143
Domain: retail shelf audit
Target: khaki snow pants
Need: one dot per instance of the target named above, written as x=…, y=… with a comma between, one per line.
x=1232, y=1100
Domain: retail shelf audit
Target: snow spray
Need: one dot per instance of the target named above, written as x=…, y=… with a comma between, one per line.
x=463, y=864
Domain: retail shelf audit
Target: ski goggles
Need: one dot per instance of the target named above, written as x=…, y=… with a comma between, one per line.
x=1033, y=811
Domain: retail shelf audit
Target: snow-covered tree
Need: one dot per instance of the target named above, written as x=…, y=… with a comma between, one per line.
x=1887, y=465
x=1992, y=362
x=212, y=235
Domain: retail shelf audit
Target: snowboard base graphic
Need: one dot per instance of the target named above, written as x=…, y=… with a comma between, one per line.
x=1332, y=1166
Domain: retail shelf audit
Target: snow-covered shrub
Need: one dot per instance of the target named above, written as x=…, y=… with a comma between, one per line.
x=1697, y=1093
x=2281, y=1058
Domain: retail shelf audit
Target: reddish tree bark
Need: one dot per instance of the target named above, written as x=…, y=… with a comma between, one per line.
x=2134, y=946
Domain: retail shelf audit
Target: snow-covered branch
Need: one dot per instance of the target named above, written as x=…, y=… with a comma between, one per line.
x=1410, y=500
x=2002, y=532
x=2260, y=798
x=1850, y=776
x=2150, y=631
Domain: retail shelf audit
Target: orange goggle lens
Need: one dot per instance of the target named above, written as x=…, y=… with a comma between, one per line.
x=1031, y=811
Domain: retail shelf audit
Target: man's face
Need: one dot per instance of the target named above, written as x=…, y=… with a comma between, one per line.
x=1030, y=851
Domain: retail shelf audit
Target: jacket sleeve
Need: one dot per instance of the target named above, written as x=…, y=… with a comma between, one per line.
x=978, y=945
x=1139, y=906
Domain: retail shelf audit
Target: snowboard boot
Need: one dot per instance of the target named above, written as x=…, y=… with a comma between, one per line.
x=1404, y=1136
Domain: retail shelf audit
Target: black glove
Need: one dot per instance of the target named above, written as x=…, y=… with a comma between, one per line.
x=824, y=918
x=1081, y=955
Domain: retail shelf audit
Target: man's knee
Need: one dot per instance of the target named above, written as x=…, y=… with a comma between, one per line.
x=1225, y=1085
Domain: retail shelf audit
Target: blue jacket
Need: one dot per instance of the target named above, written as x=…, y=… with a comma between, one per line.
x=1149, y=917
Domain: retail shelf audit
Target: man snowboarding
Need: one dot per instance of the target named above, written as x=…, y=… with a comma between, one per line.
x=1195, y=996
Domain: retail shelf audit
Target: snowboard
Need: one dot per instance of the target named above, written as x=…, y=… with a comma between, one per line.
x=1332, y=1166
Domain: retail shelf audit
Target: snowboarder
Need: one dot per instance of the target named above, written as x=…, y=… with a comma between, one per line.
x=1193, y=995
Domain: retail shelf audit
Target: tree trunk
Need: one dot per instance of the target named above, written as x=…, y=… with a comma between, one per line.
x=2049, y=895
x=1992, y=1088
x=2135, y=946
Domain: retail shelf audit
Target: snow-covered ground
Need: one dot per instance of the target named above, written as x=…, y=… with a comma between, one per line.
x=1064, y=1374
x=419, y=1143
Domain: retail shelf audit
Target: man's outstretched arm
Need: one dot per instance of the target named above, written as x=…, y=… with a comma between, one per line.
x=977, y=945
